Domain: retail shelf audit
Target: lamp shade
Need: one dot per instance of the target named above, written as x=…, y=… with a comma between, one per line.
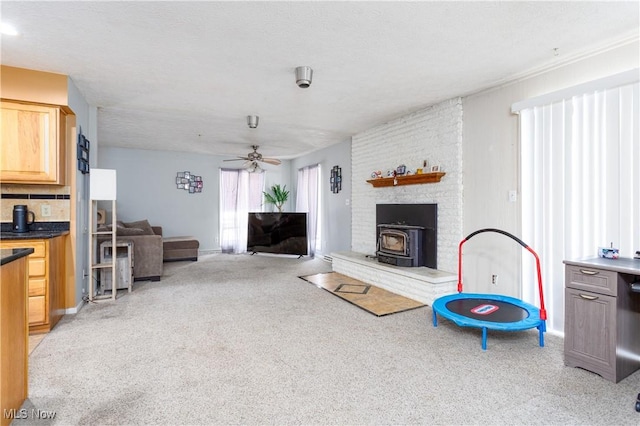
x=102, y=184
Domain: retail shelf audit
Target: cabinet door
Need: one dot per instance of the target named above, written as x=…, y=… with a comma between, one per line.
x=30, y=149
x=590, y=332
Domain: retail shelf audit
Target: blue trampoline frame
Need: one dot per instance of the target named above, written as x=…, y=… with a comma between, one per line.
x=536, y=318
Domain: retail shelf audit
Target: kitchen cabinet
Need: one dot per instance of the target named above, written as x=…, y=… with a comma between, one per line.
x=46, y=281
x=14, y=343
x=602, y=316
x=32, y=148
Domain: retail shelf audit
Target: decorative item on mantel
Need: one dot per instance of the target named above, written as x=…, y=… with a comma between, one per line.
x=336, y=179
x=189, y=182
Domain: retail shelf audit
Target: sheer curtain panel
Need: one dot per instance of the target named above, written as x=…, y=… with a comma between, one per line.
x=307, y=202
x=240, y=193
x=580, y=177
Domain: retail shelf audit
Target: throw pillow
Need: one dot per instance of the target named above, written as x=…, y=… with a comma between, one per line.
x=141, y=224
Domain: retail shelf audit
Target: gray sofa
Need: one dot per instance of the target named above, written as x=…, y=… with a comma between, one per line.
x=147, y=248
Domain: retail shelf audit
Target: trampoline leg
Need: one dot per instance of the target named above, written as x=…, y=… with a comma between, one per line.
x=541, y=330
x=484, y=338
x=435, y=319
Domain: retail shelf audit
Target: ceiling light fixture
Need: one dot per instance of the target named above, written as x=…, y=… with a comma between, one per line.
x=8, y=29
x=303, y=77
x=252, y=121
x=254, y=167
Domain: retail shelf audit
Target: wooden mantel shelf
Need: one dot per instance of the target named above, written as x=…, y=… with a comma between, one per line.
x=407, y=180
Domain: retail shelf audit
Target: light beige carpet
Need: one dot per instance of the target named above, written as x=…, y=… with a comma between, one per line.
x=372, y=299
x=241, y=340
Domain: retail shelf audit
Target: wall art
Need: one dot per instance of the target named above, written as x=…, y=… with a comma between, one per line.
x=189, y=182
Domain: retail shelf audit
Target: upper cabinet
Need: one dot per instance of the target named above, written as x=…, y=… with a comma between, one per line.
x=32, y=148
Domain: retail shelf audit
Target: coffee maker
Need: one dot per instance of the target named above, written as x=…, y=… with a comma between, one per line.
x=21, y=220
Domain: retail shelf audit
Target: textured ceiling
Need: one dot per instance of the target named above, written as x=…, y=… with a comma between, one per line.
x=184, y=75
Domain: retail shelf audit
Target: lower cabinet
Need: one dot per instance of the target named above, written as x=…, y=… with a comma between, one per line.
x=46, y=281
x=14, y=343
x=602, y=316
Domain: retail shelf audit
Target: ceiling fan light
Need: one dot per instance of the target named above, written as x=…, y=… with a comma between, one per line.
x=254, y=167
x=252, y=121
x=303, y=77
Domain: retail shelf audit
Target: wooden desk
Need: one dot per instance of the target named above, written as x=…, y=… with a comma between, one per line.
x=602, y=316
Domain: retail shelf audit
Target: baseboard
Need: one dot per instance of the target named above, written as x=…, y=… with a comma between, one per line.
x=210, y=251
x=75, y=309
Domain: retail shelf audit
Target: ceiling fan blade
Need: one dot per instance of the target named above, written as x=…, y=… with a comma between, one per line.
x=238, y=159
x=273, y=161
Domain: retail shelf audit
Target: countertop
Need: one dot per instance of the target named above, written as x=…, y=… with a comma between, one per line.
x=625, y=265
x=37, y=231
x=9, y=255
x=32, y=235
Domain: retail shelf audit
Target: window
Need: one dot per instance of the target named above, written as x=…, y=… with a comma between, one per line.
x=308, y=201
x=240, y=193
x=580, y=165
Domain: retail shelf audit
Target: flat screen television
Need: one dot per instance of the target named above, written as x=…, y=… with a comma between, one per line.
x=279, y=233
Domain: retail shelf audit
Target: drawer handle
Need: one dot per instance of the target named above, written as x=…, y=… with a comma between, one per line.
x=585, y=296
x=588, y=272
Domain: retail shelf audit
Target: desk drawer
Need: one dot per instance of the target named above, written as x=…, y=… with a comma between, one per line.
x=592, y=279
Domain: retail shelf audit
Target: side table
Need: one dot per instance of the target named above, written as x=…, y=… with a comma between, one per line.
x=124, y=265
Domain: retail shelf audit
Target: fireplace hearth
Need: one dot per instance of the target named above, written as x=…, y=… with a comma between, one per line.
x=407, y=234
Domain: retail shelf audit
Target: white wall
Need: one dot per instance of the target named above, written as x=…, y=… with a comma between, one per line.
x=476, y=142
x=336, y=208
x=433, y=134
x=491, y=168
x=147, y=190
x=86, y=119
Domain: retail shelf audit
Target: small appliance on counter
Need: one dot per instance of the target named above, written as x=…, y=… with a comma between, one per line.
x=21, y=220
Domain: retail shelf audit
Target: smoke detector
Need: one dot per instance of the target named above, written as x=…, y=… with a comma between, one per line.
x=252, y=121
x=303, y=77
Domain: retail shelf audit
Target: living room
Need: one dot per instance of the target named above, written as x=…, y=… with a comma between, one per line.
x=472, y=137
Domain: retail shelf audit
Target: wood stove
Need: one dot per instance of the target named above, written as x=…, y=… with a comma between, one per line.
x=418, y=219
x=400, y=245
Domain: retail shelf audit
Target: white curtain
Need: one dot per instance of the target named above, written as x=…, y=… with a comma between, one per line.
x=240, y=193
x=307, y=201
x=580, y=165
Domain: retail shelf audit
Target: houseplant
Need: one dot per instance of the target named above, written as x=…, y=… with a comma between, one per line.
x=277, y=196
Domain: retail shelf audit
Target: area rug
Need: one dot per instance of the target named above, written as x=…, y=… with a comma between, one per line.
x=374, y=300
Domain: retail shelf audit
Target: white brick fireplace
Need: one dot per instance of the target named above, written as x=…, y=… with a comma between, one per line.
x=433, y=134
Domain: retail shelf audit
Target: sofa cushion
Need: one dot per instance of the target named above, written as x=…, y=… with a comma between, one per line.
x=122, y=231
x=141, y=224
x=129, y=232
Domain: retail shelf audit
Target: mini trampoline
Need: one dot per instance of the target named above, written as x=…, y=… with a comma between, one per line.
x=490, y=311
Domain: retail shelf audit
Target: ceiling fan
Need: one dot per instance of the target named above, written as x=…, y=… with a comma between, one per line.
x=253, y=158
